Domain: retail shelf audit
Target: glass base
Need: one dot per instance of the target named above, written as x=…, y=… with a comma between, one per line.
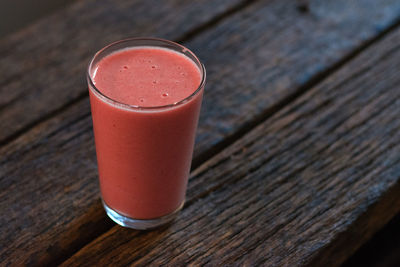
x=140, y=224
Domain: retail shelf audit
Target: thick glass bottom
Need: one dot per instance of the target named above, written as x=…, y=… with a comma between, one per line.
x=140, y=224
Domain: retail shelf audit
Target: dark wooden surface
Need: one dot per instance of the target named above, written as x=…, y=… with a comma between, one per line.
x=309, y=188
x=297, y=155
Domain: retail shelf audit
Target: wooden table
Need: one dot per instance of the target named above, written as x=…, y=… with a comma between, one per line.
x=297, y=160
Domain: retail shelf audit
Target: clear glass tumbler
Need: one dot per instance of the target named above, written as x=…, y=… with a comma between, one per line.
x=144, y=153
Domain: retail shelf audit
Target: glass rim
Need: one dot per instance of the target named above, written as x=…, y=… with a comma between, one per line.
x=184, y=50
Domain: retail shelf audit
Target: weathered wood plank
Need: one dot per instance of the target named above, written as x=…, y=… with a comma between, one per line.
x=51, y=171
x=43, y=67
x=307, y=186
x=272, y=51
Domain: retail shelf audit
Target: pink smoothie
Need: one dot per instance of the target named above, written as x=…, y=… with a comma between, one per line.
x=144, y=154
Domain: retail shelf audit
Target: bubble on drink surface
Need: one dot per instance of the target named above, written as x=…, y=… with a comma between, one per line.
x=153, y=67
x=141, y=99
x=126, y=67
x=164, y=95
x=154, y=82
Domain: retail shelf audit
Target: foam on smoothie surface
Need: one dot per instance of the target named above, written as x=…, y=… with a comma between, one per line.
x=147, y=76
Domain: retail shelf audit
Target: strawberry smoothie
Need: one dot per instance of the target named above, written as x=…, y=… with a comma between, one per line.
x=145, y=97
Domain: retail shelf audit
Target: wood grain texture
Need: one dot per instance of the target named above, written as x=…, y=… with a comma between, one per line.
x=54, y=71
x=272, y=51
x=306, y=187
x=48, y=176
x=43, y=67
